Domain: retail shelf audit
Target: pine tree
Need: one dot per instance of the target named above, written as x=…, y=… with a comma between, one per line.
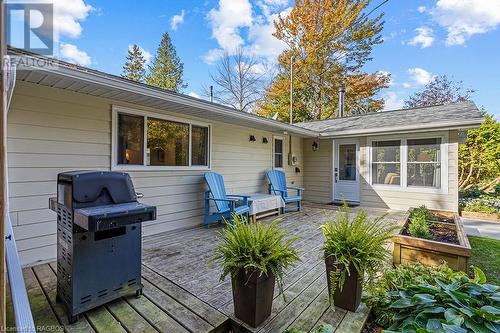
x=134, y=66
x=166, y=69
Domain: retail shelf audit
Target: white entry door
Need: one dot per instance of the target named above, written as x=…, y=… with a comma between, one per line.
x=346, y=170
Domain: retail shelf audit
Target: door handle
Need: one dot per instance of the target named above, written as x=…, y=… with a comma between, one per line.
x=336, y=177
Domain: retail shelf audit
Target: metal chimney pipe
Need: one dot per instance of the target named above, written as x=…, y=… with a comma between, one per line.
x=341, y=100
x=212, y=94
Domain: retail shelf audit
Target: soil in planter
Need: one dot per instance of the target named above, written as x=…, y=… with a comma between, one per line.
x=444, y=233
x=441, y=232
x=371, y=326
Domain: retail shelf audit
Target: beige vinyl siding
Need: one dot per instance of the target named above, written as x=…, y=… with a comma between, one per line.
x=318, y=171
x=51, y=131
x=402, y=200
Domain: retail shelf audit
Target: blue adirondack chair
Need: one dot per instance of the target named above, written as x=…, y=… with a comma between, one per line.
x=225, y=205
x=277, y=186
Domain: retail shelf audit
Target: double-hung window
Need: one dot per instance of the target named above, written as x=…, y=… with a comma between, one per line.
x=278, y=152
x=386, y=162
x=409, y=162
x=424, y=162
x=154, y=141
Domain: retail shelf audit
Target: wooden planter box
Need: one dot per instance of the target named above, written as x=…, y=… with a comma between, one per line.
x=480, y=216
x=429, y=252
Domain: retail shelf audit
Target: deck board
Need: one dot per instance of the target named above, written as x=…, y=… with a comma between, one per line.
x=161, y=321
x=183, y=292
x=176, y=310
x=40, y=307
x=47, y=278
x=129, y=318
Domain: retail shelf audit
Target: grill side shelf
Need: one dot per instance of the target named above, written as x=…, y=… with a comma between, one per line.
x=113, y=216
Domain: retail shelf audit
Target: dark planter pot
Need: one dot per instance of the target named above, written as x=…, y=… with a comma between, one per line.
x=350, y=296
x=252, y=297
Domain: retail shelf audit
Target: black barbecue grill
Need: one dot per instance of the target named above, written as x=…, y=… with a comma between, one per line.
x=98, y=238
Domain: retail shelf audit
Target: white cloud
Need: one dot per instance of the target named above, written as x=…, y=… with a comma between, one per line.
x=421, y=9
x=67, y=17
x=424, y=37
x=176, y=20
x=392, y=101
x=235, y=25
x=420, y=75
x=226, y=21
x=406, y=84
x=193, y=94
x=465, y=18
x=270, y=6
x=260, y=35
x=75, y=55
x=212, y=56
x=496, y=117
x=259, y=69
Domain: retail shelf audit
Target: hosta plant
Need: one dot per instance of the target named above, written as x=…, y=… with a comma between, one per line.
x=401, y=278
x=261, y=247
x=459, y=305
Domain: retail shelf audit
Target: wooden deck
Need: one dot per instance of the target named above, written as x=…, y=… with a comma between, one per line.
x=182, y=292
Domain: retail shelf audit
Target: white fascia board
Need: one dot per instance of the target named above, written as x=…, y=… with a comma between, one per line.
x=109, y=81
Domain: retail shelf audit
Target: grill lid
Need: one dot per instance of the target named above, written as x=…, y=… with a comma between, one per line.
x=92, y=188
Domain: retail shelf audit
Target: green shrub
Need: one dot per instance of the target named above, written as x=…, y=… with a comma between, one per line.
x=472, y=192
x=474, y=200
x=255, y=247
x=481, y=206
x=419, y=227
x=463, y=305
x=359, y=241
x=423, y=212
x=420, y=222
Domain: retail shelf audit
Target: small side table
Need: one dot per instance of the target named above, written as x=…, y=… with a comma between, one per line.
x=263, y=205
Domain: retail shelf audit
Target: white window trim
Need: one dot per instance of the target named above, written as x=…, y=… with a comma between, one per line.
x=403, y=187
x=127, y=167
x=282, y=154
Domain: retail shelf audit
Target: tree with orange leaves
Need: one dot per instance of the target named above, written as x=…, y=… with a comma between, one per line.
x=329, y=41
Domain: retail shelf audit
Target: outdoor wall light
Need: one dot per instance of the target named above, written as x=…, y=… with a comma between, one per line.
x=252, y=138
x=264, y=140
x=315, y=145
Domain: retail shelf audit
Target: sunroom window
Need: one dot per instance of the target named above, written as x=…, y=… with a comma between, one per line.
x=386, y=162
x=156, y=142
x=424, y=162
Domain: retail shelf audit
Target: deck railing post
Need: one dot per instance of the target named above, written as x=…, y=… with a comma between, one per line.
x=3, y=166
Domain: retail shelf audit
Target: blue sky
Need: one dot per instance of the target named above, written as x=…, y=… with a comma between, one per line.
x=460, y=38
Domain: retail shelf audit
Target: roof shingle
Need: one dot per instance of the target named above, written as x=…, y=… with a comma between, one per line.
x=430, y=117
